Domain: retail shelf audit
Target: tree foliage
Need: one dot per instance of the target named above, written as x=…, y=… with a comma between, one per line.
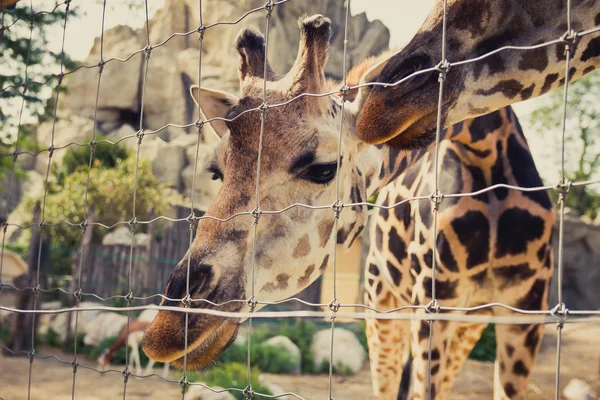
x=582, y=139
x=26, y=59
x=109, y=193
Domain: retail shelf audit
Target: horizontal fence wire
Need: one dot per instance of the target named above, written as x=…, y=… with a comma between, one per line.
x=433, y=311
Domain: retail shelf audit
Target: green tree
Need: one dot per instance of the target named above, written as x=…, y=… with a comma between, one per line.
x=26, y=59
x=582, y=139
x=109, y=193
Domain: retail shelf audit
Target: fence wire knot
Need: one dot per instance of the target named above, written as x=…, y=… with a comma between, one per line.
x=133, y=223
x=443, y=67
x=101, y=65
x=51, y=151
x=93, y=144
x=36, y=290
x=256, y=214
x=187, y=301
x=433, y=307
x=75, y=364
x=337, y=208
x=140, y=135
x=199, y=124
x=148, y=51
x=560, y=311
x=129, y=297
x=60, y=77
x=78, y=294
x=263, y=108
x=201, y=29
x=334, y=306
x=248, y=392
x=569, y=38
x=436, y=198
x=563, y=187
x=31, y=355
x=126, y=374
x=184, y=383
x=269, y=6
x=344, y=91
x=252, y=303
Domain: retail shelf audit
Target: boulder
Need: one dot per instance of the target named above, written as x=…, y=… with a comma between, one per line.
x=104, y=325
x=274, y=388
x=147, y=315
x=196, y=392
x=71, y=129
x=348, y=354
x=119, y=85
x=58, y=322
x=293, y=352
x=126, y=133
x=168, y=165
x=579, y=390
x=121, y=235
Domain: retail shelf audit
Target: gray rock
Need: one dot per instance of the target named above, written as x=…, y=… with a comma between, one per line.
x=578, y=389
x=119, y=84
x=102, y=326
x=290, y=347
x=168, y=163
x=348, y=354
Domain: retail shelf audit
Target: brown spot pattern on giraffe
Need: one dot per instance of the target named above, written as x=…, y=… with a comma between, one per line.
x=302, y=248
x=304, y=279
x=281, y=283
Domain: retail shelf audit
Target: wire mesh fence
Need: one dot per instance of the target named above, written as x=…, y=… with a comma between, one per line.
x=559, y=314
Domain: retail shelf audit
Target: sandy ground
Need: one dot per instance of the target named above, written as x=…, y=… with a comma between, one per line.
x=53, y=381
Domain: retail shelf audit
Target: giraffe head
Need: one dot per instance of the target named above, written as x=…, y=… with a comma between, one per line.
x=298, y=165
x=405, y=115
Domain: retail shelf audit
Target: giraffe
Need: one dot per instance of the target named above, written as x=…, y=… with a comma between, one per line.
x=406, y=115
x=483, y=250
x=132, y=340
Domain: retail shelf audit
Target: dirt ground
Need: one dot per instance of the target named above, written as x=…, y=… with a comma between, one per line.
x=52, y=380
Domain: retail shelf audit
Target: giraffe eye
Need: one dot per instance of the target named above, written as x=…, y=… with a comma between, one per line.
x=216, y=172
x=320, y=173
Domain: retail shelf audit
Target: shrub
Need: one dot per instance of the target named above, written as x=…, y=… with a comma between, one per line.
x=232, y=375
x=485, y=349
x=271, y=359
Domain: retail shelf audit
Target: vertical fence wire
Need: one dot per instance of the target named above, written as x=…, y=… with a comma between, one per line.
x=50, y=153
x=249, y=391
x=192, y=217
x=436, y=197
x=133, y=221
x=563, y=186
x=84, y=224
x=12, y=173
x=338, y=205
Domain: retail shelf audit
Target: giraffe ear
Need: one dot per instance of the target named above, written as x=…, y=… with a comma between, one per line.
x=214, y=104
x=369, y=76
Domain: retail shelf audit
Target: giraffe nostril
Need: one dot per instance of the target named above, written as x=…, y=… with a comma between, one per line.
x=200, y=279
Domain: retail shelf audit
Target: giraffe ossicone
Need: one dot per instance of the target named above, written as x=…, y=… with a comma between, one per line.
x=299, y=160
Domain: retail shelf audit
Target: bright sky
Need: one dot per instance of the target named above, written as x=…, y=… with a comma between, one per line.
x=402, y=17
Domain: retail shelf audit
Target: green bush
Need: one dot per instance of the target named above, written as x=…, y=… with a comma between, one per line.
x=105, y=155
x=271, y=359
x=485, y=349
x=232, y=375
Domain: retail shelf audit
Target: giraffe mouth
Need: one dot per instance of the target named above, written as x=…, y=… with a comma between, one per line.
x=204, y=353
x=207, y=337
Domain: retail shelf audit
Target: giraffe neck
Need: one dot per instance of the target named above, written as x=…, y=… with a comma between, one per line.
x=514, y=75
